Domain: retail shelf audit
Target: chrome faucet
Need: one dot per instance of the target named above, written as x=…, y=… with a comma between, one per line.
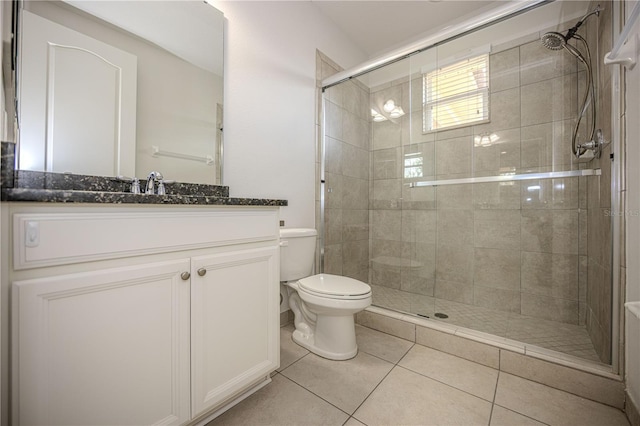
x=152, y=179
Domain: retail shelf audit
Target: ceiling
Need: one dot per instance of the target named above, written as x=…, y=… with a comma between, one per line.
x=379, y=26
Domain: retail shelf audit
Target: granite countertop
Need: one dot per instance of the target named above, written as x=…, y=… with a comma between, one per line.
x=78, y=196
x=46, y=187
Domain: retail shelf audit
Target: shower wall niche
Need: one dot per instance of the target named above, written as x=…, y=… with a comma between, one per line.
x=527, y=260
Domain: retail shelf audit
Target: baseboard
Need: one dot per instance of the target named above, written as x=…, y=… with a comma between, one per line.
x=631, y=410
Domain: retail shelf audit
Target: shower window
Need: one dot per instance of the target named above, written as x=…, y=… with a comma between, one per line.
x=456, y=95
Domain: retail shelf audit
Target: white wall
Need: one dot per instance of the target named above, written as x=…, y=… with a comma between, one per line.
x=269, y=96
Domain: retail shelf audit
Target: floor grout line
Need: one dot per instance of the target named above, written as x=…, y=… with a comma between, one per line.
x=523, y=415
x=382, y=380
x=495, y=392
x=493, y=414
x=328, y=402
x=447, y=384
x=316, y=395
x=370, y=393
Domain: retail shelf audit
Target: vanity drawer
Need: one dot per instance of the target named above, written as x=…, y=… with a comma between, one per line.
x=50, y=239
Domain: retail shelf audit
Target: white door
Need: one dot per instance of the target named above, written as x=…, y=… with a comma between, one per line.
x=77, y=102
x=235, y=323
x=108, y=347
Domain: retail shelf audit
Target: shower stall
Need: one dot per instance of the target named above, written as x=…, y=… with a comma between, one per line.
x=469, y=181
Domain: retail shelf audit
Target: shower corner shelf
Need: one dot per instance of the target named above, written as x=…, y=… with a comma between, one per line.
x=508, y=178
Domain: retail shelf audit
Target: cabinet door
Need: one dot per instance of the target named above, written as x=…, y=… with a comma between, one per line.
x=235, y=323
x=104, y=347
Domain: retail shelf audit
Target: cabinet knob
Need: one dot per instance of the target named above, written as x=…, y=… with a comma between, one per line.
x=202, y=272
x=185, y=275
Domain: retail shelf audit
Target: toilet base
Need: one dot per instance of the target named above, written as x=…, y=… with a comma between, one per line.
x=325, y=326
x=307, y=341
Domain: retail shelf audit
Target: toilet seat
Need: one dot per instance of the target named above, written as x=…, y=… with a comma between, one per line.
x=334, y=287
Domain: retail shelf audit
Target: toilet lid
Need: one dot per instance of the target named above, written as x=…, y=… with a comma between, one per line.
x=334, y=285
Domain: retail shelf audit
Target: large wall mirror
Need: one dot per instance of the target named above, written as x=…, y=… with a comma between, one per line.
x=114, y=88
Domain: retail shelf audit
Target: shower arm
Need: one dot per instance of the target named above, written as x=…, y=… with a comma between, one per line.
x=572, y=31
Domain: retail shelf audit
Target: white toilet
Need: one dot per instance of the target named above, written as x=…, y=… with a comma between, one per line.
x=324, y=305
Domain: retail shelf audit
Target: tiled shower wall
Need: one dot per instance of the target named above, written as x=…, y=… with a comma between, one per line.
x=536, y=248
x=599, y=34
x=346, y=187
x=508, y=246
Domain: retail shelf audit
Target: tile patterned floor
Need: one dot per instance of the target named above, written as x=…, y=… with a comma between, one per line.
x=396, y=382
x=566, y=338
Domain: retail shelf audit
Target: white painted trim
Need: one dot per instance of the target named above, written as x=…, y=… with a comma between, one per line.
x=617, y=186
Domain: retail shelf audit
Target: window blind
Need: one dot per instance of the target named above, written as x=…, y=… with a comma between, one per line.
x=456, y=95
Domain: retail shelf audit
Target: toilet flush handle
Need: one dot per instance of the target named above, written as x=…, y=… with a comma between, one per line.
x=284, y=243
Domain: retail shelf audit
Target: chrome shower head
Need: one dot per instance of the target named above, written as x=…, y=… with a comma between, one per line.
x=556, y=41
x=553, y=40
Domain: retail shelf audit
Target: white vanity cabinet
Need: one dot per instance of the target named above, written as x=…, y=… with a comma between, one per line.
x=230, y=336
x=143, y=316
x=103, y=347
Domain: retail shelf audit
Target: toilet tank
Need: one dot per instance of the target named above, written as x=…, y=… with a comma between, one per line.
x=297, y=250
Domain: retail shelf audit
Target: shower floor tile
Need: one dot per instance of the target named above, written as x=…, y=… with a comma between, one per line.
x=561, y=337
x=566, y=338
